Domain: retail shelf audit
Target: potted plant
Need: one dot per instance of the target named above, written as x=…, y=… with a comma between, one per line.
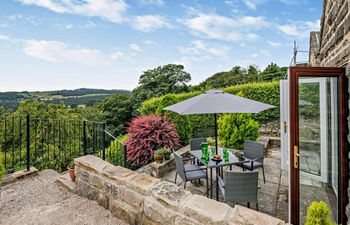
x=167, y=152
x=70, y=168
x=163, y=153
x=158, y=156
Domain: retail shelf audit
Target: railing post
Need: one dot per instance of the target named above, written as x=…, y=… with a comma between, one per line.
x=125, y=156
x=103, y=141
x=84, y=137
x=28, y=142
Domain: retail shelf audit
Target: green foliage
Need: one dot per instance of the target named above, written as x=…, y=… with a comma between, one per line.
x=115, y=151
x=182, y=122
x=240, y=75
x=162, y=80
x=117, y=111
x=203, y=125
x=234, y=129
x=318, y=214
x=2, y=166
x=162, y=151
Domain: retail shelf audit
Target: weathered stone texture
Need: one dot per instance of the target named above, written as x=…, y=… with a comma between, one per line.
x=334, y=39
x=142, y=199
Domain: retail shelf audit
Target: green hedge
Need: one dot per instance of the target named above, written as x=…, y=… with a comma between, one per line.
x=202, y=125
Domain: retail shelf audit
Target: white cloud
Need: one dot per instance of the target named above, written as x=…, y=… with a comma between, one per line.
x=150, y=42
x=252, y=4
x=117, y=55
x=148, y=23
x=56, y=51
x=274, y=44
x=299, y=29
x=4, y=38
x=135, y=47
x=152, y=2
x=110, y=10
x=202, y=50
x=225, y=28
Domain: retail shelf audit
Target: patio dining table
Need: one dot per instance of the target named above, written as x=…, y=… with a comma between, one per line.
x=232, y=159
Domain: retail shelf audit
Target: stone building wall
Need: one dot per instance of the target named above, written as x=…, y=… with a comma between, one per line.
x=333, y=46
x=142, y=199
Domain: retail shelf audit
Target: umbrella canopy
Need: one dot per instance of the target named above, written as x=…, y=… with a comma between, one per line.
x=216, y=101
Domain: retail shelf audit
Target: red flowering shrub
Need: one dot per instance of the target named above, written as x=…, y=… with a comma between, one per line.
x=147, y=134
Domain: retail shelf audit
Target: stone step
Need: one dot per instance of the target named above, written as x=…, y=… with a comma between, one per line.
x=65, y=181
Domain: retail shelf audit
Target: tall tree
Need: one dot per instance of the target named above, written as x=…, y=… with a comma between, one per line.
x=162, y=80
x=117, y=110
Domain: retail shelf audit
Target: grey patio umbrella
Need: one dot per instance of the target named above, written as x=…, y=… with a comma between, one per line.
x=216, y=101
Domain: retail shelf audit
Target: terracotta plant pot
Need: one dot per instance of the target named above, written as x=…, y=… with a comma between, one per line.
x=158, y=158
x=167, y=156
x=71, y=173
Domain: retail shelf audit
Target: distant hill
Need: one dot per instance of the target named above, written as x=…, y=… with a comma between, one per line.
x=81, y=96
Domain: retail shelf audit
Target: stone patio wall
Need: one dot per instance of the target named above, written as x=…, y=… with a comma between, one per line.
x=142, y=199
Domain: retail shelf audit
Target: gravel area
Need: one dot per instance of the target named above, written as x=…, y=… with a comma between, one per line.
x=38, y=200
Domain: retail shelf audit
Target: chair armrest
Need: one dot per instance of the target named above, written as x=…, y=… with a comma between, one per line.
x=200, y=168
x=187, y=159
x=220, y=181
x=256, y=159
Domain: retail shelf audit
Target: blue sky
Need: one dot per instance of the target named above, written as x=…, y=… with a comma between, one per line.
x=65, y=44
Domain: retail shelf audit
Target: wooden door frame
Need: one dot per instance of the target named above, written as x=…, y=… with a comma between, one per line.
x=294, y=74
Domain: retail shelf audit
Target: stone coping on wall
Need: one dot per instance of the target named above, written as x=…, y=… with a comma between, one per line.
x=142, y=199
x=18, y=175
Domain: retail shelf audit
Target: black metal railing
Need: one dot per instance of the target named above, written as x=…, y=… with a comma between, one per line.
x=53, y=143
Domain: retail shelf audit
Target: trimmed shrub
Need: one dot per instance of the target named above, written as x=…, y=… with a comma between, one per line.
x=318, y=214
x=182, y=122
x=234, y=129
x=147, y=134
x=203, y=125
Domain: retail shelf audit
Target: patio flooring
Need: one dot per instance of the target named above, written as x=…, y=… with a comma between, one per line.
x=272, y=196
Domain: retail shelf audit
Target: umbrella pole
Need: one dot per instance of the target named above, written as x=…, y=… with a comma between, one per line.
x=216, y=132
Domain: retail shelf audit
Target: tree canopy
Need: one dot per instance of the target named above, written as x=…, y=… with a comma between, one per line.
x=162, y=80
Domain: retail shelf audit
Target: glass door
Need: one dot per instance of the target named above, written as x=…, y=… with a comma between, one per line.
x=318, y=140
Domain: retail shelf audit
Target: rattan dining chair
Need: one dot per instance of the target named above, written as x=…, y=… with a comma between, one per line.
x=195, y=145
x=189, y=172
x=240, y=187
x=254, y=152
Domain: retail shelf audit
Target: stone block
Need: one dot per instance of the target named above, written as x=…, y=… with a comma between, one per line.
x=169, y=194
x=142, y=183
x=86, y=190
x=124, y=211
x=66, y=182
x=82, y=174
x=183, y=220
x=13, y=177
x=149, y=221
x=244, y=216
x=158, y=212
x=132, y=198
x=118, y=174
x=206, y=210
x=111, y=189
x=96, y=181
x=92, y=163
